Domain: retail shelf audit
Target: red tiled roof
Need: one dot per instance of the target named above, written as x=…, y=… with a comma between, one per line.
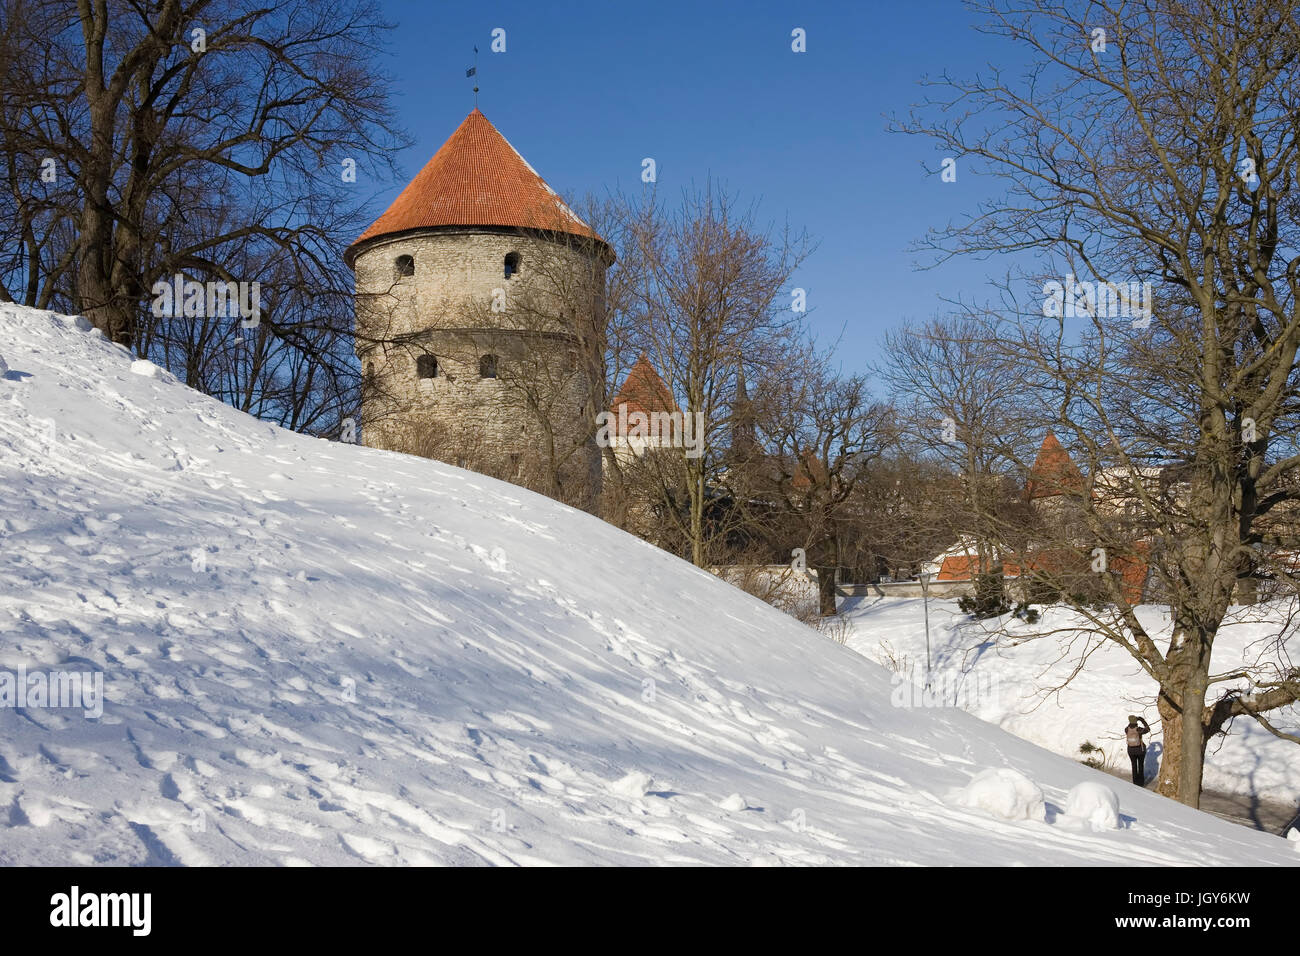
x=809, y=469
x=643, y=391
x=1131, y=567
x=476, y=178
x=1053, y=472
x=964, y=567
x=958, y=567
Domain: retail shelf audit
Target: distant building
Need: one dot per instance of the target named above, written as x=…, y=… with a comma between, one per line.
x=1059, y=551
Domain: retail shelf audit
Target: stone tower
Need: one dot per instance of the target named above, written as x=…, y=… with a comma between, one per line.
x=480, y=321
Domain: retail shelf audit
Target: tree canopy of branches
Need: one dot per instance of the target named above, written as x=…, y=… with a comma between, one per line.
x=215, y=140
x=963, y=403
x=823, y=434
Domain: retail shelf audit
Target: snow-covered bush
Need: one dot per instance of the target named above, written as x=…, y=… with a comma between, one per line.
x=633, y=785
x=1025, y=613
x=1094, y=802
x=1005, y=793
x=734, y=803
x=146, y=368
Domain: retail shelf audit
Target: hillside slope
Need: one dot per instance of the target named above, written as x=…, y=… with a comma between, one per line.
x=319, y=653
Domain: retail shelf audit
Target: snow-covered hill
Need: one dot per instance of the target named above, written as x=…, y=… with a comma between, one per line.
x=314, y=652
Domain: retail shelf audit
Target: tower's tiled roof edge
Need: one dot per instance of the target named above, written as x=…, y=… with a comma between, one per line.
x=476, y=178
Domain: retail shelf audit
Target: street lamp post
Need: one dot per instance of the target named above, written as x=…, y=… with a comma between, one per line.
x=925, y=592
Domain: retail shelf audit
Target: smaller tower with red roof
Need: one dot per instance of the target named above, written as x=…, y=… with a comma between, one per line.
x=642, y=413
x=1055, y=487
x=1053, y=474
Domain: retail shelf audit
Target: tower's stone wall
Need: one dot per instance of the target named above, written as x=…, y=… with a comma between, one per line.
x=534, y=423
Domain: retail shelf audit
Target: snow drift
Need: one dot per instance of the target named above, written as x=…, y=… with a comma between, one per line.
x=313, y=652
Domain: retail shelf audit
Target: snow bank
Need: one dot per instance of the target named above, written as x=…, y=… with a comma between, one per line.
x=633, y=786
x=1005, y=793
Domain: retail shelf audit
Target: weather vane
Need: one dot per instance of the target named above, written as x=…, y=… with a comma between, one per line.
x=473, y=71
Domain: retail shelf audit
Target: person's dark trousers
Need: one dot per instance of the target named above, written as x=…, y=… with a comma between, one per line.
x=1138, y=758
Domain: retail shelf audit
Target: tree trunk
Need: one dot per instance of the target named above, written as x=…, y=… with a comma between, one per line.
x=697, y=520
x=1167, y=784
x=826, y=591
x=1182, y=762
x=94, y=295
x=1192, y=742
x=1247, y=591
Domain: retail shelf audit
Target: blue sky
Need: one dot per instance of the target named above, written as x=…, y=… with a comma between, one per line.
x=585, y=91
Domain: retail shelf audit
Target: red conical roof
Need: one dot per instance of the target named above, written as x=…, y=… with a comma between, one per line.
x=643, y=391
x=1053, y=472
x=476, y=178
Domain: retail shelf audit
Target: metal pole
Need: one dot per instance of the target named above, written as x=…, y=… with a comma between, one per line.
x=925, y=591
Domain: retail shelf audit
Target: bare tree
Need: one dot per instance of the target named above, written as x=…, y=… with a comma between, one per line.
x=906, y=509
x=711, y=308
x=1162, y=149
x=823, y=434
x=963, y=402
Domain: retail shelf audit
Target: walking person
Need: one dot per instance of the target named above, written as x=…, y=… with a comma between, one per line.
x=1137, y=749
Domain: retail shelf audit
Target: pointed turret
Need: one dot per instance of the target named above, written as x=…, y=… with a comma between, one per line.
x=1053, y=474
x=476, y=178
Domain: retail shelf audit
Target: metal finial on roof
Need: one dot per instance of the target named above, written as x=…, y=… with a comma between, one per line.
x=473, y=71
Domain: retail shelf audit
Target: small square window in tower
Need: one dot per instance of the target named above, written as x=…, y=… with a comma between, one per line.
x=512, y=264
x=404, y=266
x=426, y=366
x=487, y=366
